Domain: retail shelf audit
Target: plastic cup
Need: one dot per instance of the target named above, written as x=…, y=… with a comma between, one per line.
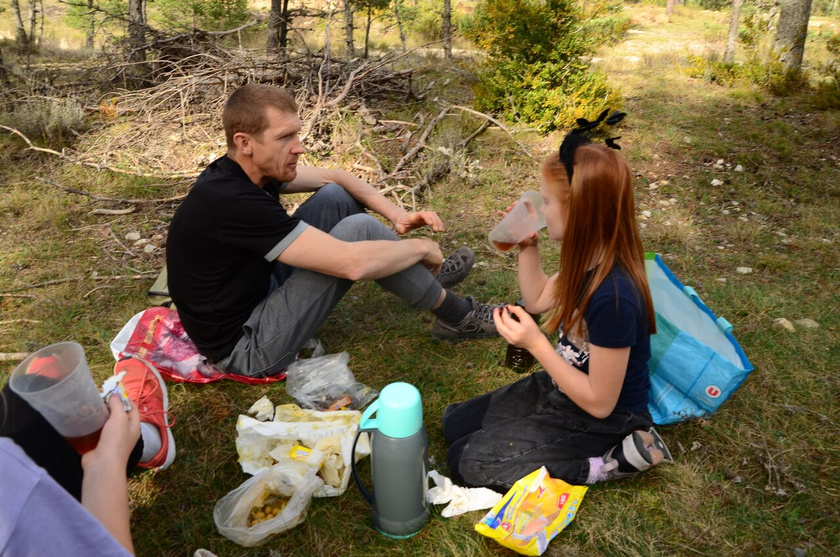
x=523, y=219
x=56, y=381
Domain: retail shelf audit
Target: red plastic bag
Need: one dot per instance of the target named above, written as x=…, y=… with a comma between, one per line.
x=156, y=335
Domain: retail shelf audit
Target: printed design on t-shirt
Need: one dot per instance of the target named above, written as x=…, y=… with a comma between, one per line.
x=574, y=347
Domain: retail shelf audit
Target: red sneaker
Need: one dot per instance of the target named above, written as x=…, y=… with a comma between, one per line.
x=145, y=387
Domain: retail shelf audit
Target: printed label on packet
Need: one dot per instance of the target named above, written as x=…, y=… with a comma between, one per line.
x=299, y=452
x=114, y=385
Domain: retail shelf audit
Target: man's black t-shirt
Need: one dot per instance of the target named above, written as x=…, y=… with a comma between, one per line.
x=222, y=245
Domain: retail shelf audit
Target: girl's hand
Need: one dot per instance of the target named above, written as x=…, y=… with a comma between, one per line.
x=119, y=434
x=516, y=326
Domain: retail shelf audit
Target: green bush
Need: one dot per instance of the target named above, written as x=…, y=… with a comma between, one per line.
x=536, y=68
x=827, y=93
x=52, y=120
x=210, y=15
x=770, y=74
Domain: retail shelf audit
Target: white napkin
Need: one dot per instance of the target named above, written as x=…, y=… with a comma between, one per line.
x=460, y=499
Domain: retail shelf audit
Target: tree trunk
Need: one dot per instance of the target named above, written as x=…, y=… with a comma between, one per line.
x=399, y=23
x=669, y=7
x=20, y=31
x=789, y=42
x=732, y=38
x=348, y=28
x=137, y=30
x=367, y=31
x=447, y=28
x=278, y=28
x=91, y=30
x=4, y=77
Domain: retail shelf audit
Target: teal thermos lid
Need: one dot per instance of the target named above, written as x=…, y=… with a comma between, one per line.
x=399, y=411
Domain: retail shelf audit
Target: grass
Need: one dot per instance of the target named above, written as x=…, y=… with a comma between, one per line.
x=758, y=477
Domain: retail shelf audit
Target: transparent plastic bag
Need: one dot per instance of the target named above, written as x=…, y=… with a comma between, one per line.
x=323, y=440
x=289, y=481
x=326, y=383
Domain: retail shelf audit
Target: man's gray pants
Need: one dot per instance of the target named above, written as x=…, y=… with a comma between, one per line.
x=301, y=301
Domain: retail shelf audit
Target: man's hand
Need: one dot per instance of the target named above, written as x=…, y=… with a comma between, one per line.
x=434, y=259
x=409, y=221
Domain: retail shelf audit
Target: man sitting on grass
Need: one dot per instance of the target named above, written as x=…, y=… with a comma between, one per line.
x=252, y=283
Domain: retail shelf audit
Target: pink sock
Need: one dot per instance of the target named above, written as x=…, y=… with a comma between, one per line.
x=595, y=464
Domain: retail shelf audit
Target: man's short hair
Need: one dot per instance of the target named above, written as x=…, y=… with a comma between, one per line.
x=245, y=109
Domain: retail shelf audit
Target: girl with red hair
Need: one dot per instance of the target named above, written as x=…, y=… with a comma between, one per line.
x=584, y=416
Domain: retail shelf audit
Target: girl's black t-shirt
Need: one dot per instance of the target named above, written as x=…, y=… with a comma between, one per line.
x=616, y=318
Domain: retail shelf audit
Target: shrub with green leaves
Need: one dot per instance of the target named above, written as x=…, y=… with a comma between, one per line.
x=210, y=15
x=537, y=67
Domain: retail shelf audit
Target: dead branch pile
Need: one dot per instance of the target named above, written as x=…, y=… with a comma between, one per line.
x=172, y=129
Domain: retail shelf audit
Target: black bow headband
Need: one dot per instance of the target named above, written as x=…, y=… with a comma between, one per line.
x=580, y=136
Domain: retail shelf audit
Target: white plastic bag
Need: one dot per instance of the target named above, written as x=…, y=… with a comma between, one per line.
x=326, y=383
x=327, y=438
x=290, y=480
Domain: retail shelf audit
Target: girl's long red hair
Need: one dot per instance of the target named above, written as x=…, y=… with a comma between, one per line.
x=600, y=228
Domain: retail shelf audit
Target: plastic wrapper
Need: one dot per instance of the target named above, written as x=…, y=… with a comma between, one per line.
x=291, y=482
x=321, y=440
x=326, y=383
x=532, y=513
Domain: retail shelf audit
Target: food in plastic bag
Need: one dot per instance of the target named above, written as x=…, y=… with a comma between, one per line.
x=532, y=513
x=326, y=383
x=323, y=440
x=291, y=482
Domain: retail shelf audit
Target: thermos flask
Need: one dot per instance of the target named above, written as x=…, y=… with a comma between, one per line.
x=399, y=461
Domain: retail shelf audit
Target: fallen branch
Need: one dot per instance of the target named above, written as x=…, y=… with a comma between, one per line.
x=13, y=356
x=110, y=199
x=112, y=211
x=421, y=143
x=75, y=279
x=496, y=122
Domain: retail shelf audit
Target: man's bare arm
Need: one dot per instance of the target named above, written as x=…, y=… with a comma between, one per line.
x=365, y=260
x=310, y=178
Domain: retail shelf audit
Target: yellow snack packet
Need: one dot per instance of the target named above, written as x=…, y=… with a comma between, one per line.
x=532, y=513
x=299, y=452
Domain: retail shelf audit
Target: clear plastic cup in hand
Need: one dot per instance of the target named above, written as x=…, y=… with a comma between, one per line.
x=56, y=381
x=523, y=219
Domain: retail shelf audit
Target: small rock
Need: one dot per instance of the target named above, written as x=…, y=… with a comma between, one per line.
x=716, y=182
x=725, y=211
x=132, y=236
x=653, y=186
x=743, y=270
x=156, y=237
x=696, y=445
x=743, y=219
x=799, y=552
x=673, y=201
x=646, y=214
x=807, y=323
x=739, y=168
x=782, y=323
x=149, y=248
x=721, y=280
x=141, y=242
x=717, y=166
x=664, y=182
x=687, y=140
x=720, y=161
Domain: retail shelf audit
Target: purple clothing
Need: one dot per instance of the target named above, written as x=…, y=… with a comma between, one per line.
x=38, y=517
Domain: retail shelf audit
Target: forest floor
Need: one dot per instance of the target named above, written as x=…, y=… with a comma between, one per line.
x=737, y=189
